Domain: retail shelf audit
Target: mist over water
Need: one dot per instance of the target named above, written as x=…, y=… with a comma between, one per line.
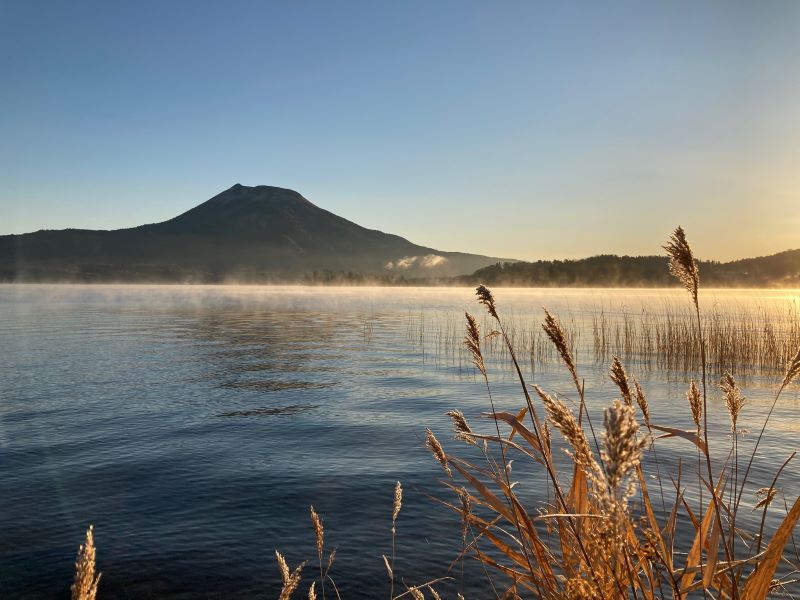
x=193, y=426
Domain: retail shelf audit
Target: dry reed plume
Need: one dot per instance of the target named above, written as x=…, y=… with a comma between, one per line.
x=734, y=401
x=319, y=534
x=291, y=579
x=552, y=327
x=792, y=371
x=396, y=506
x=85, y=584
x=766, y=496
x=622, y=448
x=461, y=428
x=438, y=452
x=644, y=405
x=485, y=297
x=565, y=422
x=682, y=263
x=473, y=343
x=620, y=378
x=695, y=403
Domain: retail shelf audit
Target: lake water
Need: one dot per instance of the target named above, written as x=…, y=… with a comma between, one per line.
x=193, y=426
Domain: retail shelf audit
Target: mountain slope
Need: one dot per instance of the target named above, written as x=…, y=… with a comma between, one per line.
x=244, y=233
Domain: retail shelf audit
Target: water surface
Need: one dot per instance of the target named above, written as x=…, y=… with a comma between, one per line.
x=193, y=426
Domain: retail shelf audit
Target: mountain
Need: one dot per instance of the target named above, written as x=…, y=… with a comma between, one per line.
x=777, y=270
x=249, y=234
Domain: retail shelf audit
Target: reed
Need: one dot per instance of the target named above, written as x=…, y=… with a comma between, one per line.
x=84, y=587
x=749, y=338
x=291, y=578
x=755, y=340
x=396, y=506
x=602, y=536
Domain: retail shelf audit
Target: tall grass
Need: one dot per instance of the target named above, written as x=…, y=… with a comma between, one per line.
x=759, y=341
x=440, y=339
x=602, y=535
x=750, y=338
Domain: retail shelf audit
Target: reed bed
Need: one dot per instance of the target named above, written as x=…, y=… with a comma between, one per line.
x=440, y=338
x=751, y=339
x=598, y=529
x=755, y=340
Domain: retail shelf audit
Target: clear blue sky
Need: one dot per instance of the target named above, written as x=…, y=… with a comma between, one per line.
x=517, y=129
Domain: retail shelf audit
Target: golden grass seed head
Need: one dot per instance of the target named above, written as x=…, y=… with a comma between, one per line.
x=547, y=438
x=682, y=264
x=641, y=400
x=434, y=593
x=460, y=426
x=562, y=419
x=283, y=566
x=733, y=398
x=398, y=503
x=84, y=586
x=695, y=403
x=291, y=584
x=466, y=511
x=438, y=452
x=319, y=531
x=558, y=337
x=620, y=378
x=485, y=297
x=312, y=593
x=331, y=558
x=622, y=448
x=792, y=370
x=290, y=579
x=766, y=495
x=472, y=341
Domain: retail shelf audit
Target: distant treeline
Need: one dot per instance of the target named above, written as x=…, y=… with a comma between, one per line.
x=609, y=270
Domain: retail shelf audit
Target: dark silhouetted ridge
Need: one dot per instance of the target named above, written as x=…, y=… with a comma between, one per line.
x=782, y=269
x=241, y=210
x=260, y=233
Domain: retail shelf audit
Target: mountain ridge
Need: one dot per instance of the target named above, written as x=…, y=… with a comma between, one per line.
x=268, y=234
x=246, y=233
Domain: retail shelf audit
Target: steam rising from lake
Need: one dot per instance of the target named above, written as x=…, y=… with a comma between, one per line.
x=429, y=261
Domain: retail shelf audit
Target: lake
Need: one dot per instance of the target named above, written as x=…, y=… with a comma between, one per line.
x=194, y=425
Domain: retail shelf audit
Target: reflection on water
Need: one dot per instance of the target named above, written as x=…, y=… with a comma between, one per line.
x=294, y=409
x=194, y=426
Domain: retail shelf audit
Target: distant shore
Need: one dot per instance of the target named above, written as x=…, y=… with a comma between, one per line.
x=410, y=283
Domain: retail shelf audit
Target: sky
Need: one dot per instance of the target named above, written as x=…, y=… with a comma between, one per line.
x=523, y=130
